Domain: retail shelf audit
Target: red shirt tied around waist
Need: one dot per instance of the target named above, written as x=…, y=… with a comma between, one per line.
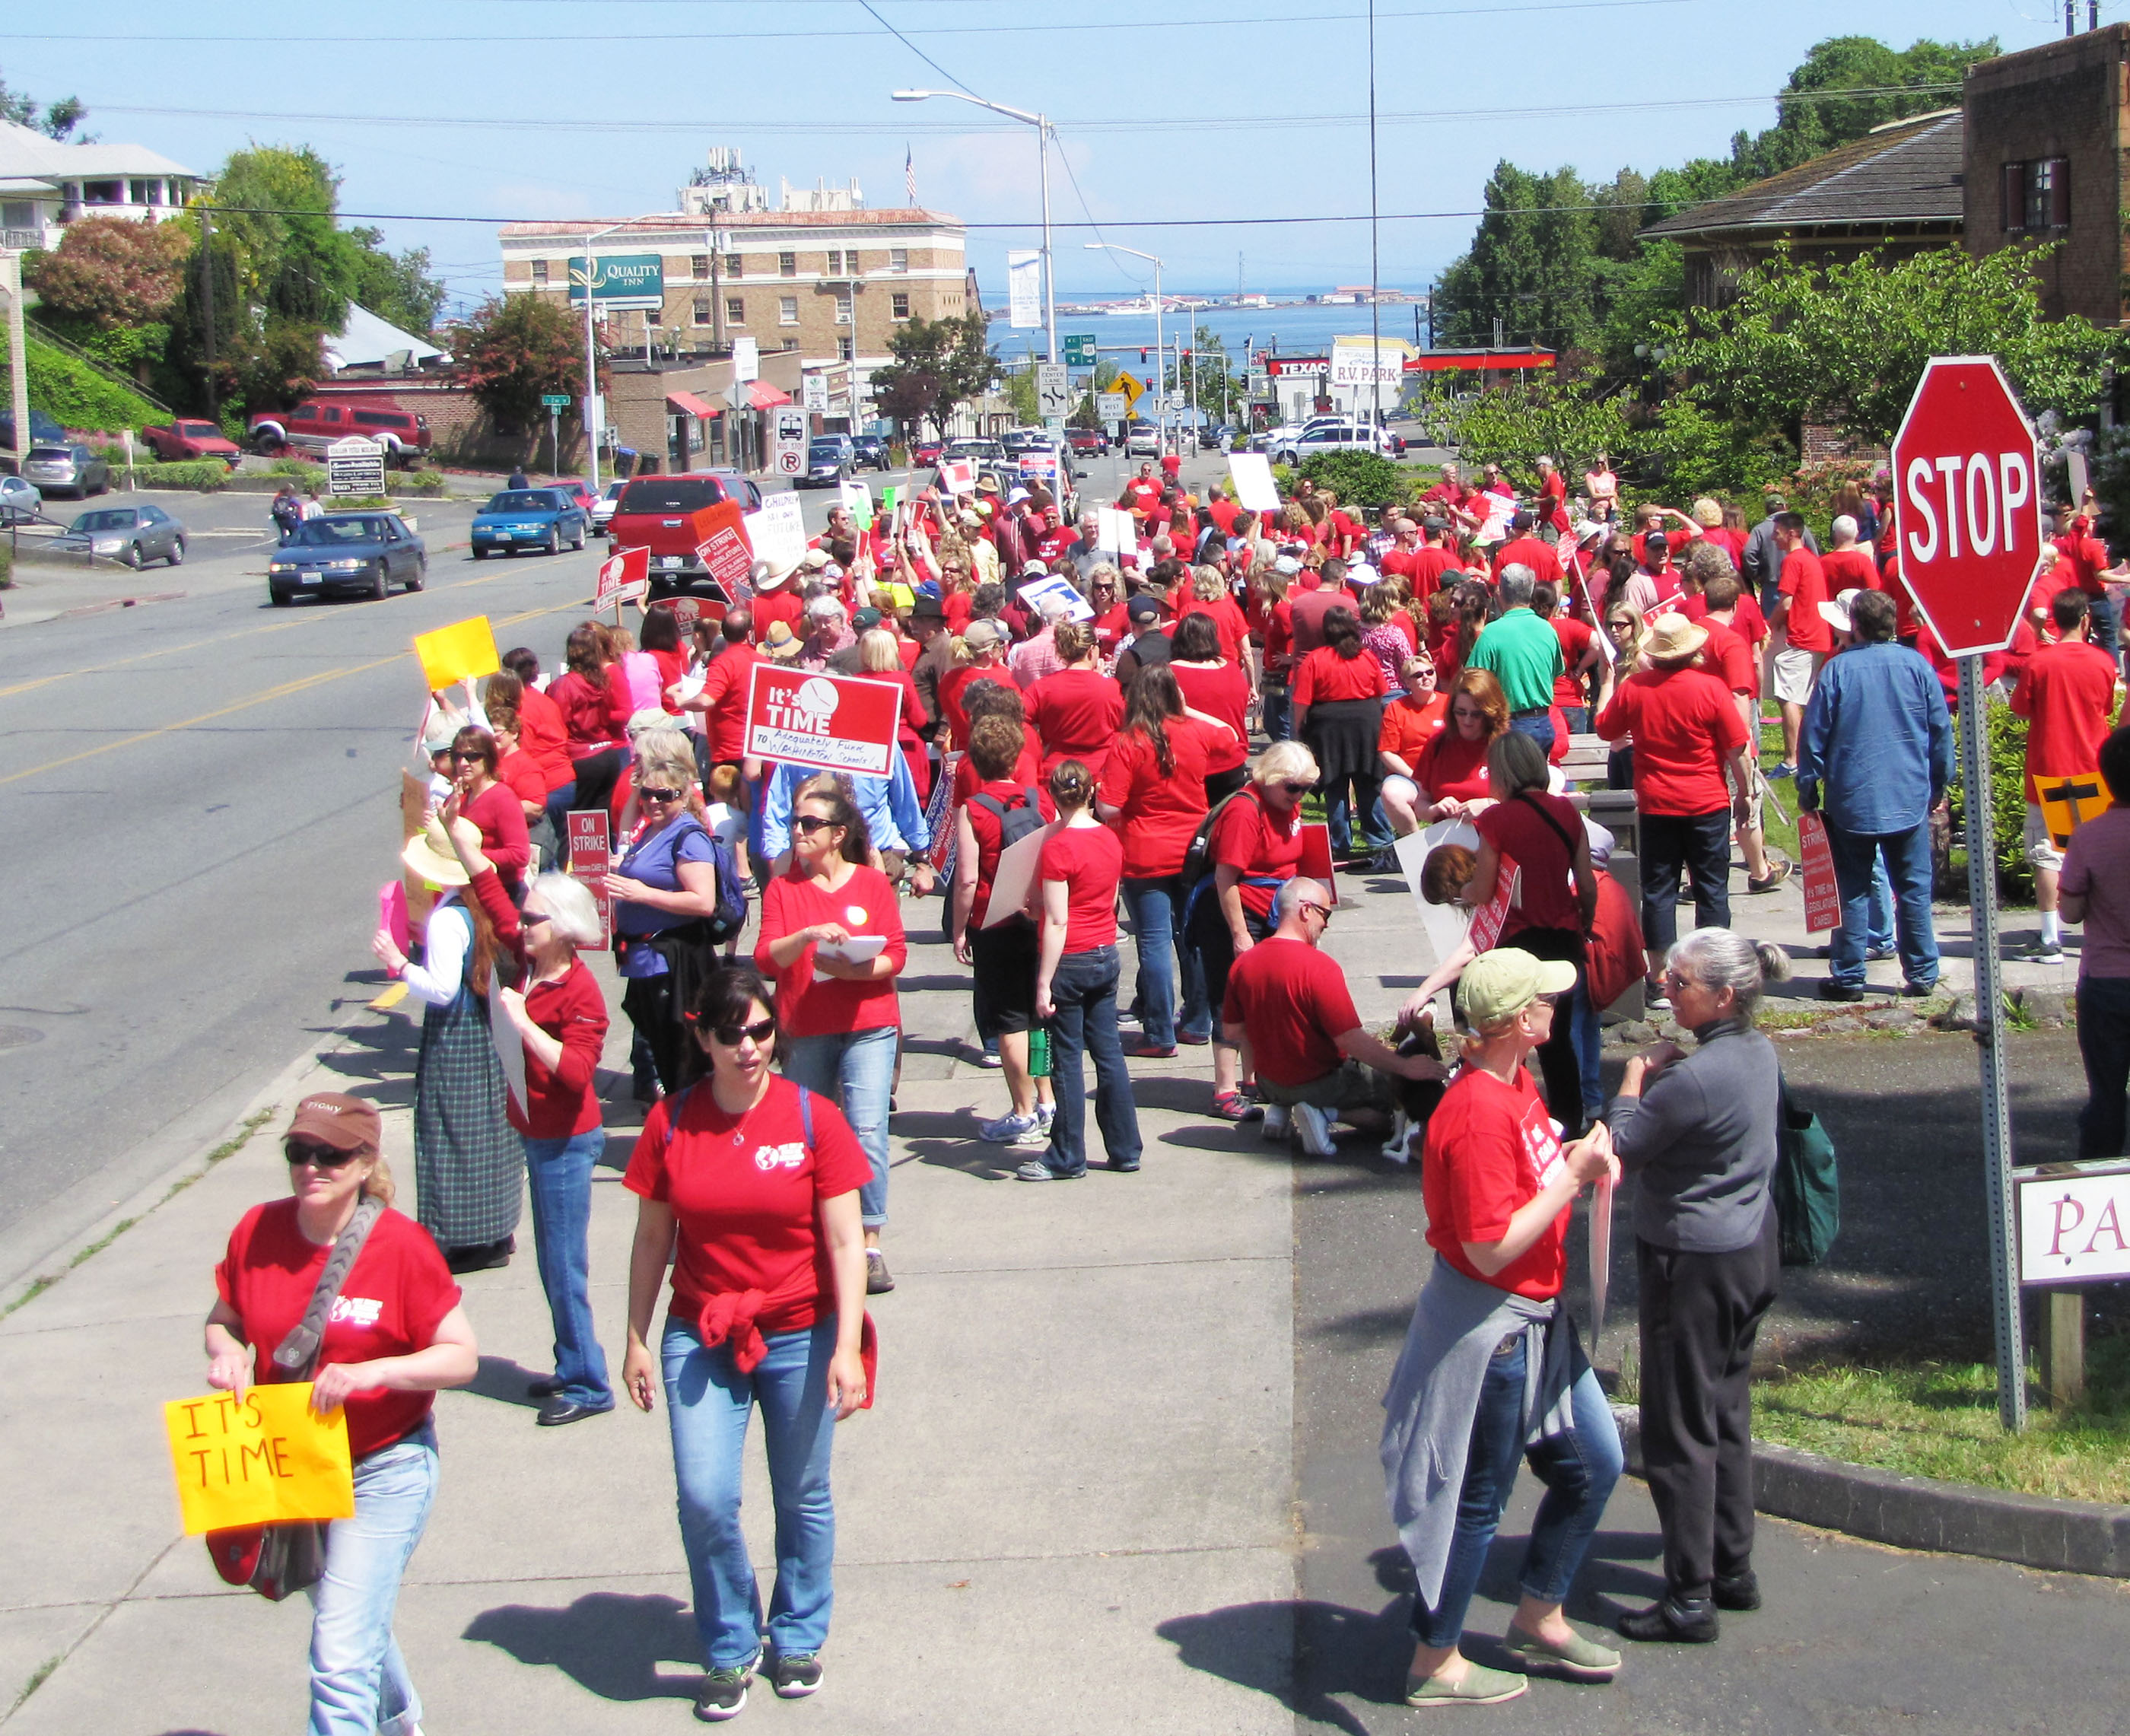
x=1685, y=724
x=1292, y=1000
x=396, y=1295
x=1159, y=811
x=1090, y=861
x=746, y=1193
x=864, y=904
x=1491, y=1147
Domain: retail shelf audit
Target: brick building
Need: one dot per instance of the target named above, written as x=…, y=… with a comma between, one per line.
x=2047, y=129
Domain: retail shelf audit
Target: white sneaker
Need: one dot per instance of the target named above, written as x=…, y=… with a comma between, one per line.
x=1312, y=1126
x=1275, y=1121
x=1008, y=1129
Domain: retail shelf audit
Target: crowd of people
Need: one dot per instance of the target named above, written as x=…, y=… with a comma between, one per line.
x=1426, y=673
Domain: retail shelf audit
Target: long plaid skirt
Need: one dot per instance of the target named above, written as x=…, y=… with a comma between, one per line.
x=469, y=1161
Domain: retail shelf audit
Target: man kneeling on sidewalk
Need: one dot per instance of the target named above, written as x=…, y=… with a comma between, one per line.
x=1288, y=1005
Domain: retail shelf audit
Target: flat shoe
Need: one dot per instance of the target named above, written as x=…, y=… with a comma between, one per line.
x=1478, y=1686
x=1583, y=1659
x=546, y=1389
x=557, y=1412
x=1690, y=1624
x=1740, y=1591
x=879, y=1280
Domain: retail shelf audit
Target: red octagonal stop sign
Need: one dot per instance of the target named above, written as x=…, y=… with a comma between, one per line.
x=1967, y=488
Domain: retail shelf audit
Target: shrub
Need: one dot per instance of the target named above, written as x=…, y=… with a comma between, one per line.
x=6, y=566
x=306, y=475
x=1359, y=479
x=416, y=482
x=2006, y=737
x=77, y=396
x=207, y=476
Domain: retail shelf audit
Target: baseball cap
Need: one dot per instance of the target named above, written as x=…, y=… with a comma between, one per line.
x=336, y=1119
x=981, y=636
x=866, y=619
x=1498, y=985
x=814, y=559
x=1286, y=566
x=1143, y=608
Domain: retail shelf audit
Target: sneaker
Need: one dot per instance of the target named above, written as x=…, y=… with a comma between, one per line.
x=1654, y=998
x=1275, y=1121
x=1918, y=991
x=1580, y=1659
x=879, y=1280
x=989, y=1058
x=1778, y=873
x=724, y=1692
x=1149, y=1052
x=2046, y=952
x=1035, y=1169
x=796, y=1676
x=1312, y=1126
x=1008, y=1129
x=1045, y=1113
x=1777, y=773
x=1877, y=955
x=1835, y=989
x=1194, y=1040
x=1477, y=1686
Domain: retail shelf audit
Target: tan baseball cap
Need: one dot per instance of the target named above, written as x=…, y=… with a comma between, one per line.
x=336, y=1119
x=1498, y=985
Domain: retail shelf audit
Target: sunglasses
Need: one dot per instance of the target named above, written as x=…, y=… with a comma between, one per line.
x=1321, y=910
x=731, y=1036
x=809, y=824
x=469, y=759
x=532, y=919
x=1297, y=789
x=317, y=1156
x=652, y=793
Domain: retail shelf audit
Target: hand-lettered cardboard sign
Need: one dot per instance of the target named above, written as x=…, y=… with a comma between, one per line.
x=456, y=653
x=259, y=1461
x=1822, y=897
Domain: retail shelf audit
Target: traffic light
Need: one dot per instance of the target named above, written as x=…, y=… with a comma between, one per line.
x=1142, y=355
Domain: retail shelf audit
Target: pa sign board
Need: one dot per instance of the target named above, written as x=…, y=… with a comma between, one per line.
x=2075, y=1228
x=620, y=281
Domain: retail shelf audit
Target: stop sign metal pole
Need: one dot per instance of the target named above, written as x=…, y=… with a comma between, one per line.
x=1989, y=1034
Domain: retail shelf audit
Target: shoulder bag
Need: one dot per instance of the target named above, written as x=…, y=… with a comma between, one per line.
x=1805, y=1185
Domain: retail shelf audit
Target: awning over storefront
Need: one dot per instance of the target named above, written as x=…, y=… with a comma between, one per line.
x=762, y=395
x=691, y=404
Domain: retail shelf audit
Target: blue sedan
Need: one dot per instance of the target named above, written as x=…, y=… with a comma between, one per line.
x=529, y=518
x=367, y=553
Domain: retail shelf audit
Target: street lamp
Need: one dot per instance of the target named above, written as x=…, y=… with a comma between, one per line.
x=591, y=353
x=1161, y=386
x=1043, y=131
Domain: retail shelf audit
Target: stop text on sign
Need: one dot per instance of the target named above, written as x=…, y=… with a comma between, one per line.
x=1961, y=504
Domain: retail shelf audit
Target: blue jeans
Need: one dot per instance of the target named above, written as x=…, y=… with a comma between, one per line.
x=2104, y=1044
x=1084, y=990
x=855, y=1070
x=708, y=1403
x=1578, y=1469
x=1156, y=911
x=560, y=1171
x=1578, y=719
x=1538, y=726
x=1586, y=1032
x=359, y=1681
x=2106, y=626
x=558, y=815
x=1341, y=809
x=1278, y=712
x=1909, y=863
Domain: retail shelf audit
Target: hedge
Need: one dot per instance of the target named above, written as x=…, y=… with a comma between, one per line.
x=205, y=474
x=78, y=397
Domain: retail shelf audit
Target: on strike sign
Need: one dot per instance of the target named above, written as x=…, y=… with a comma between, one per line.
x=836, y=723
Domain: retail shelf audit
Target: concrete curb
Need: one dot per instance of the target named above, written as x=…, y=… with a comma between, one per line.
x=1918, y=1513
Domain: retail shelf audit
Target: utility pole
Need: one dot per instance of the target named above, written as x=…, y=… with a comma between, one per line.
x=18, y=363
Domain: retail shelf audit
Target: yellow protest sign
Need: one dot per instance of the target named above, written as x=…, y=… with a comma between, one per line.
x=2068, y=802
x=457, y=653
x=258, y=1461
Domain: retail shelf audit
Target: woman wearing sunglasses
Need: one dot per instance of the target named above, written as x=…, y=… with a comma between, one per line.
x=490, y=804
x=664, y=892
x=832, y=935
x=748, y=1185
x=396, y=1336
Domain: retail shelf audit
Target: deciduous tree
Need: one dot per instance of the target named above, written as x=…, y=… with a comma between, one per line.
x=514, y=350
x=109, y=273
x=939, y=365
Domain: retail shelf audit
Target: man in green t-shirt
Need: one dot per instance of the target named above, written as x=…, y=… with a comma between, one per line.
x=1524, y=654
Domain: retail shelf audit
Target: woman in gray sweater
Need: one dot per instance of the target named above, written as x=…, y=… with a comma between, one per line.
x=1699, y=1133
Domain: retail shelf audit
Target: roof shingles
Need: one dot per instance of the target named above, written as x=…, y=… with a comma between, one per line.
x=1910, y=174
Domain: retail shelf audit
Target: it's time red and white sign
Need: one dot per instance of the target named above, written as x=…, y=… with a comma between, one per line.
x=836, y=723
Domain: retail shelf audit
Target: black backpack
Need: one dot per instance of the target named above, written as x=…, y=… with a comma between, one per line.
x=1016, y=822
x=1197, y=856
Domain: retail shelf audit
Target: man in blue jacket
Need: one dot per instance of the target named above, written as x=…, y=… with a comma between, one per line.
x=1874, y=756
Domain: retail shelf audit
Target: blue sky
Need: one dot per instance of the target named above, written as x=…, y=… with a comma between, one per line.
x=1166, y=114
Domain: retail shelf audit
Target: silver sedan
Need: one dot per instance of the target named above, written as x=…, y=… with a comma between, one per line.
x=20, y=501
x=132, y=534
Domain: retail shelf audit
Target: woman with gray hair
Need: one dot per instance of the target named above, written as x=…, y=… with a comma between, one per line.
x=1699, y=1131
x=560, y=1017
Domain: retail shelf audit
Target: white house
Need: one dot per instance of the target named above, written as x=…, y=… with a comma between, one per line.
x=46, y=184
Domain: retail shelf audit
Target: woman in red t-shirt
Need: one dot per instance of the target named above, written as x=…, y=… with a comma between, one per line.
x=832, y=933
x=1155, y=793
x=1210, y=596
x=1077, y=709
x=1411, y=722
x=1449, y=778
x=748, y=1185
x=580, y=692
x=1075, y=982
x=1338, y=692
x=395, y=1335
x=1213, y=684
x=490, y=804
x=1498, y=1184
x=879, y=659
x=668, y=647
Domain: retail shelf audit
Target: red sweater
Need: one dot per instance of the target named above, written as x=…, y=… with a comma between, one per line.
x=565, y=1098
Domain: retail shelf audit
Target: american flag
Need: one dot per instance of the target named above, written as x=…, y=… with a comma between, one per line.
x=908, y=175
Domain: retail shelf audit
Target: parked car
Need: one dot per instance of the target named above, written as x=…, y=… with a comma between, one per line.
x=871, y=451
x=1334, y=435
x=20, y=502
x=662, y=513
x=183, y=439
x=603, y=508
x=579, y=490
x=983, y=451
x=1213, y=437
x=926, y=452
x=1141, y=440
x=529, y=518
x=830, y=459
x=133, y=534
x=367, y=553
x=315, y=424
x=1087, y=442
x=44, y=430
x=69, y=469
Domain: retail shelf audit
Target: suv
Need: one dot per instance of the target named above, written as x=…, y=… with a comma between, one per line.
x=660, y=513
x=830, y=459
x=1334, y=434
x=315, y=424
x=1087, y=442
x=1141, y=440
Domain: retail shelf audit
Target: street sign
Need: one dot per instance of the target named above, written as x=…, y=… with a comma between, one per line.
x=1261, y=387
x=1968, y=507
x=1177, y=401
x=813, y=394
x=355, y=467
x=1131, y=388
x=788, y=446
x=1053, y=394
x=556, y=400
x=838, y=722
x=1080, y=349
x=595, y=411
x=2075, y=1228
x=1112, y=406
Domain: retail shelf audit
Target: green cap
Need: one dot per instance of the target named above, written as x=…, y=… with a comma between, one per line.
x=1498, y=985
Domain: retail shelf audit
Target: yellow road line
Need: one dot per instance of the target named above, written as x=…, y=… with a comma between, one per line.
x=283, y=691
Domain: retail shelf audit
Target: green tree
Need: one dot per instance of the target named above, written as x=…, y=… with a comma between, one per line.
x=938, y=366
x=514, y=350
x=1531, y=267
x=397, y=287
x=54, y=120
x=107, y=272
x=1891, y=84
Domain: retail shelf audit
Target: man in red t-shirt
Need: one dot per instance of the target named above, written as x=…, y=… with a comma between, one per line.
x=1525, y=549
x=1142, y=494
x=1309, y=607
x=1288, y=1005
x=2066, y=695
x=1223, y=511
x=1729, y=656
x=1803, y=639
x=723, y=698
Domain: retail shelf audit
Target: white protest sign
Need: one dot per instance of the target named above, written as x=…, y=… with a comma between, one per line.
x=1036, y=592
x=1444, y=925
x=958, y=476
x=858, y=498
x=1255, y=491
x=510, y=1046
x=778, y=531
x=1014, y=875
x=1115, y=533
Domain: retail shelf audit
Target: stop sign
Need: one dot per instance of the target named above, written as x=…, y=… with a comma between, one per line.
x=1967, y=488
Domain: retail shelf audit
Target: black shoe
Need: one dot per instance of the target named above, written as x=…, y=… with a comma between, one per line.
x=1918, y=991
x=546, y=1389
x=1129, y=1169
x=1739, y=1591
x=796, y=1676
x=485, y=1256
x=1833, y=989
x=1690, y=1620
x=558, y=1411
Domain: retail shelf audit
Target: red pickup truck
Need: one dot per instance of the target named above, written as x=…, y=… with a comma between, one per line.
x=315, y=424
x=674, y=517
x=182, y=440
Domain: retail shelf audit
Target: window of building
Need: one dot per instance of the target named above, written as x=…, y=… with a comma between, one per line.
x=898, y=258
x=539, y=270
x=787, y=265
x=735, y=310
x=843, y=310
x=899, y=305
x=835, y=263
x=735, y=264
x=787, y=310
x=2036, y=194
x=843, y=349
x=702, y=310
x=103, y=193
x=790, y=345
x=145, y=192
x=700, y=265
